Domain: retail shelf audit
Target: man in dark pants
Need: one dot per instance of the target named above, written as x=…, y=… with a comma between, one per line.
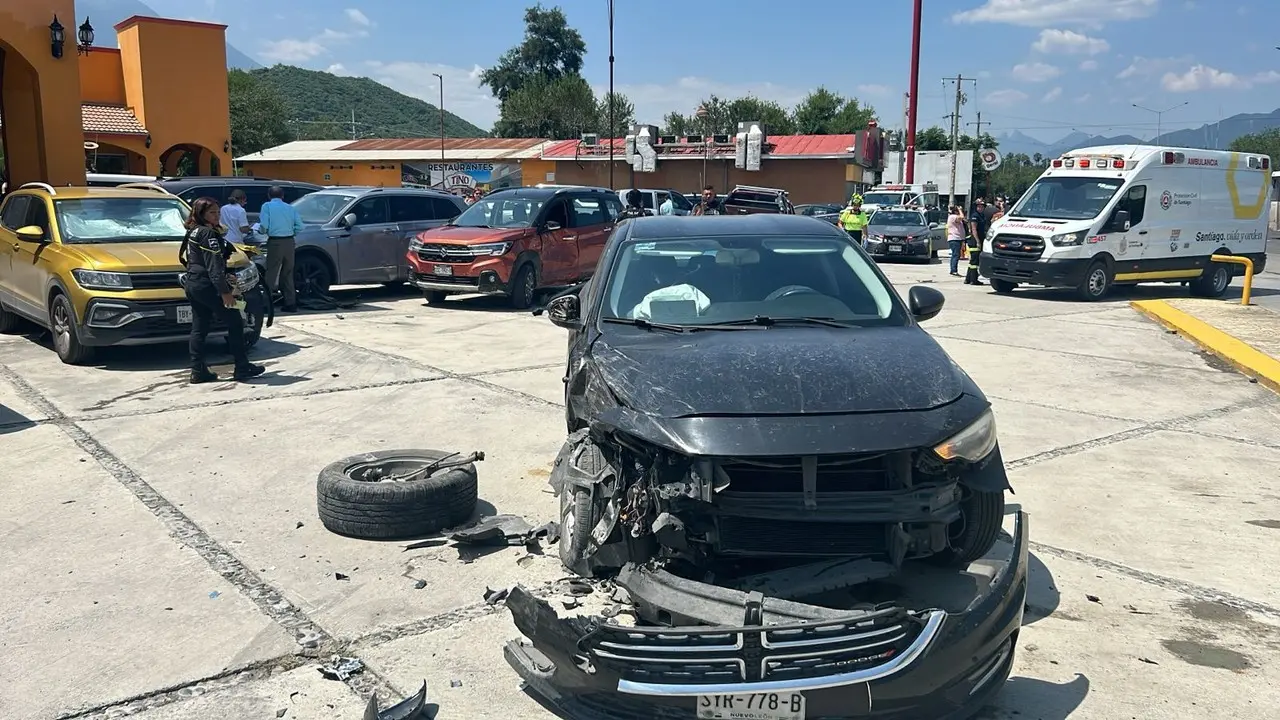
x=977, y=233
x=280, y=223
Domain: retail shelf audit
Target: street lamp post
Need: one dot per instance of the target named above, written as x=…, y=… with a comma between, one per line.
x=441, y=79
x=610, y=98
x=1160, y=114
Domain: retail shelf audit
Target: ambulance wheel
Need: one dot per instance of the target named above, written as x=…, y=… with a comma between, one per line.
x=1003, y=287
x=1213, y=283
x=1097, y=282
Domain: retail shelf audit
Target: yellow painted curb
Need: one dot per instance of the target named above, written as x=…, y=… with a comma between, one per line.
x=1241, y=355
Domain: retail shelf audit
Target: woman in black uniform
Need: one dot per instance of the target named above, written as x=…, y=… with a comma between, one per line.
x=204, y=252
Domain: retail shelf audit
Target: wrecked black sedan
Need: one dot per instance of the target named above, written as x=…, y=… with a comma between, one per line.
x=755, y=419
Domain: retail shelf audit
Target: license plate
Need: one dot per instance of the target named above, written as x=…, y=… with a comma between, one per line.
x=756, y=706
x=443, y=270
x=895, y=248
x=184, y=314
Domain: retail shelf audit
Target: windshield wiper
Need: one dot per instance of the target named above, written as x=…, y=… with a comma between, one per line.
x=766, y=321
x=648, y=324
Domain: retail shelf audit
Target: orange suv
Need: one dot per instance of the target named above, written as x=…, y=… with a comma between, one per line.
x=516, y=242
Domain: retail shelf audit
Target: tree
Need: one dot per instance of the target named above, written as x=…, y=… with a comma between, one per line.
x=624, y=115
x=550, y=50
x=774, y=117
x=823, y=112
x=936, y=139
x=1266, y=143
x=674, y=123
x=259, y=119
x=558, y=109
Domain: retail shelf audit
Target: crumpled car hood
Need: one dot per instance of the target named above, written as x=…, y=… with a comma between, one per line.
x=778, y=371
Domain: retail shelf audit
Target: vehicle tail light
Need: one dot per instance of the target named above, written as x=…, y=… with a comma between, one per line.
x=1057, y=163
x=1117, y=164
x=1084, y=162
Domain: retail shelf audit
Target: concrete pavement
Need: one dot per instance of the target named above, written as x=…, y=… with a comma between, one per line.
x=165, y=560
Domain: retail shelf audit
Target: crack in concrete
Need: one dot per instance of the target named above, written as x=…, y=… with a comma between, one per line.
x=308, y=634
x=1175, y=424
x=1087, y=356
x=1190, y=589
x=1006, y=319
x=1059, y=408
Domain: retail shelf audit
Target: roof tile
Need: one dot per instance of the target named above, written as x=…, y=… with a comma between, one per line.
x=110, y=120
x=779, y=146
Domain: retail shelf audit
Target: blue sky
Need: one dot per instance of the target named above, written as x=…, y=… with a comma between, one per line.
x=1045, y=67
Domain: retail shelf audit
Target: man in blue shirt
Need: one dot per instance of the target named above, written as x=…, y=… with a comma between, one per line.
x=280, y=223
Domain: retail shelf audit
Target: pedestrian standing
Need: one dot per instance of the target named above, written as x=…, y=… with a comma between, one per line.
x=204, y=253
x=280, y=223
x=709, y=205
x=234, y=218
x=853, y=219
x=977, y=233
x=955, y=237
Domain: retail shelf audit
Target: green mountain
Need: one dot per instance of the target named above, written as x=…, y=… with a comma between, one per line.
x=320, y=106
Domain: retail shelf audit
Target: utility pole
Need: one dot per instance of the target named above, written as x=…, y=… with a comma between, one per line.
x=960, y=80
x=914, y=93
x=610, y=99
x=902, y=146
x=353, y=123
x=979, y=125
x=441, y=79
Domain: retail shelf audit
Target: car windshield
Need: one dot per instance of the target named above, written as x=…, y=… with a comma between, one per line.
x=897, y=217
x=735, y=279
x=120, y=219
x=884, y=198
x=1067, y=198
x=501, y=212
x=319, y=208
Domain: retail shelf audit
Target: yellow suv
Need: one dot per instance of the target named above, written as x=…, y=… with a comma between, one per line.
x=97, y=266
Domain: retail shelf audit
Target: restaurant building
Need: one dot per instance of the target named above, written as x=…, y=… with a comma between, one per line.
x=67, y=105
x=456, y=164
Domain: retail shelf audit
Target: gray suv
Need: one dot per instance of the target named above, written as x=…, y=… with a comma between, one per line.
x=360, y=235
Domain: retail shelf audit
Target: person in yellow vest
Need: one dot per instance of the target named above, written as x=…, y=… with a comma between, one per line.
x=853, y=219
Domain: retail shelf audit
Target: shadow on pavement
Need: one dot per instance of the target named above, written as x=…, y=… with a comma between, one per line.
x=1125, y=293
x=1022, y=698
x=12, y=421
x=174, y=356
x=487, y=303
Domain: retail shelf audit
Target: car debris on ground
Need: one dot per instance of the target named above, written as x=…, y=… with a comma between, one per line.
x=341, y=668
x=413, y=707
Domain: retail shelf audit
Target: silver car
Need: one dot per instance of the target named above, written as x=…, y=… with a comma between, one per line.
x=903, y=233
x=360, y=235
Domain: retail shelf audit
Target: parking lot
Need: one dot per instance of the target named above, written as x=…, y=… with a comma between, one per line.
x=163, y=555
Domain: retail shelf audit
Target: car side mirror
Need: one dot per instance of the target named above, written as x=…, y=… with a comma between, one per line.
x=349, y=220
x=1121, y=220
x=925, y=302
x=550, y=226
x=32, y=234
x=564, y=311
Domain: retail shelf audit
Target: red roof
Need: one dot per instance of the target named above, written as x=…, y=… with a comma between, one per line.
x=450, y=143
x=777, y=146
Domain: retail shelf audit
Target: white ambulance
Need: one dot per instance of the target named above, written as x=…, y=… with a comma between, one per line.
x=899, y=195
x=1127, y=214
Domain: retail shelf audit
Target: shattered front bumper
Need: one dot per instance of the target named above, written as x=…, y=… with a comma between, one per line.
x=941, y=649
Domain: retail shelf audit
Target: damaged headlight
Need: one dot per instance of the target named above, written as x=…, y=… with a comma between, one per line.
x=972, y=443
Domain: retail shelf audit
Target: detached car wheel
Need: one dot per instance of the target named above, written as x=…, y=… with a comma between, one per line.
x=396, y=493
x=975, y=533
x=66, y=337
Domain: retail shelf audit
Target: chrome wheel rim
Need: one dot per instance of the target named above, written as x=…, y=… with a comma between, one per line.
x=1220, y=279
x=61, y=327
x=1097, y=281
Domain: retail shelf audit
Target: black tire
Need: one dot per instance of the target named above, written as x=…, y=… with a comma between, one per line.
x=66, y=336
x=9, y=321
x=1003, y=287
x=253, y=327
x=394, y=509
x=524, y=287
x=974, y=534
x=576, y=525
x=1097, y=281
x=435, y=297
x=311, y=273
x=933, y=254
x=1213, y=283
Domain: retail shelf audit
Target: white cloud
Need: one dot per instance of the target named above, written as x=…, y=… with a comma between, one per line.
x=463, y=94
x=1035, y=72
x=1054, y=94
x=1203, y=77
x=291, y=51
x=1045, y=13
x=874, y=90
x=336, y=69
x=984, y=74
x=1069, y=42
x=1084, y=99
x=1144, y=67
x=358, y=17
x=1088, y=65
x=1006, y=98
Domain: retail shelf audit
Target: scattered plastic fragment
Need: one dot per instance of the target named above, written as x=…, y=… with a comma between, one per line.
x=493, y=597
x=411, y=708
x=455, y=683
x=420, y=585
x=341, y=668
x=340, y=576
x=214, y=594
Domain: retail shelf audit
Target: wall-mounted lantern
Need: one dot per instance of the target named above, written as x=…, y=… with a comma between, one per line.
x=85, y=36
x=57, y=37
x=147, y=141
x=226, y=146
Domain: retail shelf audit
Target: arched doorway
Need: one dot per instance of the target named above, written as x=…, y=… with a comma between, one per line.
x=113, y=159
x=21, y=134
x=188, y=159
